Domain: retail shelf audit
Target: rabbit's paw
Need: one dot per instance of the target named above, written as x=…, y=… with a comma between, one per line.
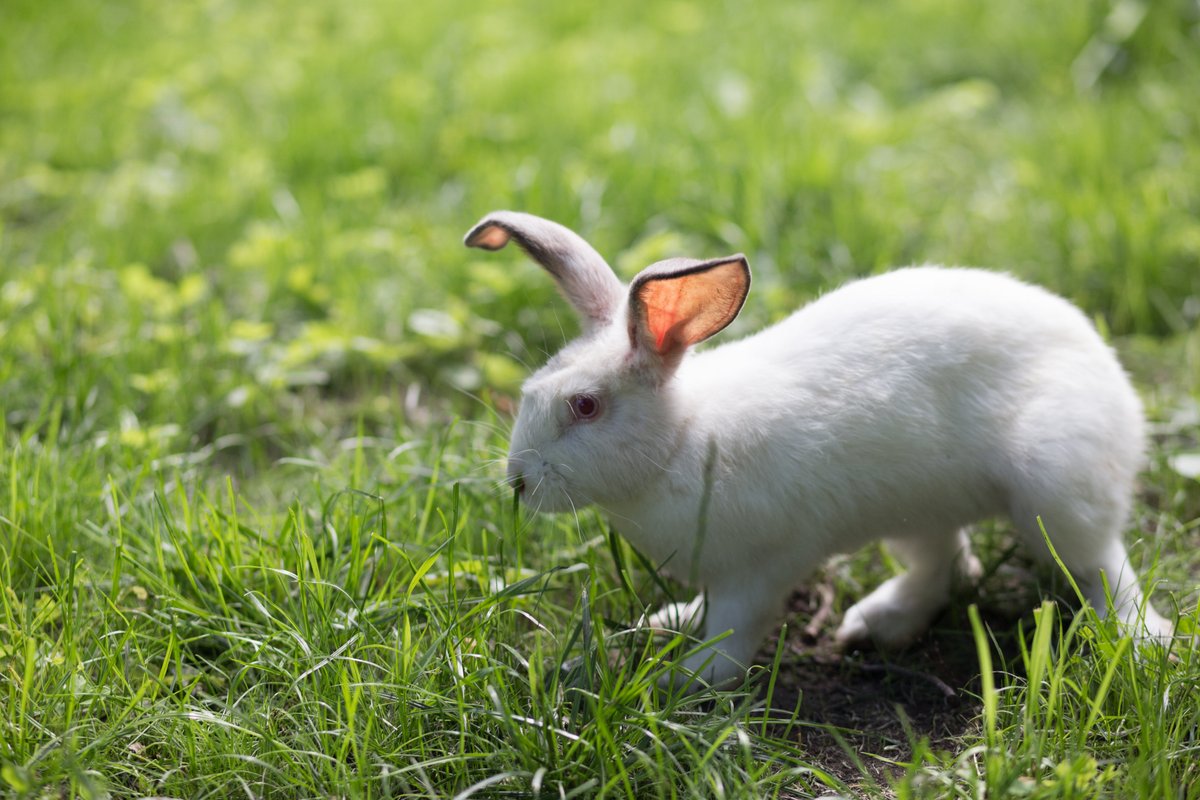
x=894, y=615
x=968, y=571
x=678, y=617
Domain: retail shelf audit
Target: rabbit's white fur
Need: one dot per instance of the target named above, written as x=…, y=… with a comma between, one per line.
x=903, y=406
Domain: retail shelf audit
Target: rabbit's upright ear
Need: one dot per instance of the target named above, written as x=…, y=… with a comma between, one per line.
x=582, y=274
x=677, y=303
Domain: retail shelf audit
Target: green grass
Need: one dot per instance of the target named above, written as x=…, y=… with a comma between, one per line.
x=254, y=391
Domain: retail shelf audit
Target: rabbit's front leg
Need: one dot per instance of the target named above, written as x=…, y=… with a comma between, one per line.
x=746, y=613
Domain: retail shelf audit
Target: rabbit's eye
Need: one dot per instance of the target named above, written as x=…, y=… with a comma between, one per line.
x=585, y=406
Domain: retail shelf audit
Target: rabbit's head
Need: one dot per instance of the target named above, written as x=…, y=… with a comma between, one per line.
x=599, y=421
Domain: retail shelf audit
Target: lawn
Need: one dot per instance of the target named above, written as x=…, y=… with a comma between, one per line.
x=254, y=393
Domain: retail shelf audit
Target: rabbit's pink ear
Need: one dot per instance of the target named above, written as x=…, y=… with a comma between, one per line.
x=677, y=303
x=582, y=274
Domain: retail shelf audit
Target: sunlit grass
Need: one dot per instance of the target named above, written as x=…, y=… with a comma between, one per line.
x=254, y=391
x=319, y=651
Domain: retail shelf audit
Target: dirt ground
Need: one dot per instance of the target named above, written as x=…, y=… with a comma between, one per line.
x=870, y=705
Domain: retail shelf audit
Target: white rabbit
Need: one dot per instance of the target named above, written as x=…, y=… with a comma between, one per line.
x=902, y=406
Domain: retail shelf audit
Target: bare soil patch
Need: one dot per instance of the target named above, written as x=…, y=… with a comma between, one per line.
x=870, y=706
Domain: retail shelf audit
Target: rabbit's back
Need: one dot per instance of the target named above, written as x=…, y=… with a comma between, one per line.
x=925, y=338
x=930, y=317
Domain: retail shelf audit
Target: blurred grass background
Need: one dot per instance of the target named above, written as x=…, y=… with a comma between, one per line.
x=232, y=281
x=274, y=194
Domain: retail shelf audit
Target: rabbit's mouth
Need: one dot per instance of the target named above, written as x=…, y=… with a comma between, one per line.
x=516, y=477
x=541, y=487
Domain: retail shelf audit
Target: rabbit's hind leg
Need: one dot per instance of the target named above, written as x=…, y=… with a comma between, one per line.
x=901, y=608
x=1116, y=580
x=1086, y=535
x=1105, y=577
